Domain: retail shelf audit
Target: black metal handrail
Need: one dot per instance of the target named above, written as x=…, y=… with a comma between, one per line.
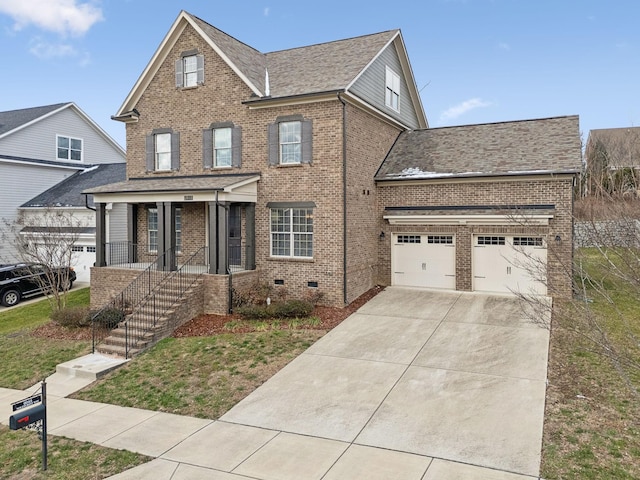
x=149, y=322
x=103, y=321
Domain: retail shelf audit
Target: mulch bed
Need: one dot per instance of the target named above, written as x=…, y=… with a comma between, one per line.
x=207, y=325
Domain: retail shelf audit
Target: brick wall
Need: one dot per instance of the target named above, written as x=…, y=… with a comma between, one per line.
x=368, y=142
x=558, y=192
x=106, y=283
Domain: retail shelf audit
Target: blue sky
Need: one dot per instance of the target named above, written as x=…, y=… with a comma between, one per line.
x=475, y=61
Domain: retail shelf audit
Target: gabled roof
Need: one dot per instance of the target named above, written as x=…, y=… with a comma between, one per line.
x=527, y=147
x=68, y=193
x=320, y=68
x=15, y=120
x=621, y=145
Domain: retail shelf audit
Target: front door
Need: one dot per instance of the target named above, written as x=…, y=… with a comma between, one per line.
x=235, y=236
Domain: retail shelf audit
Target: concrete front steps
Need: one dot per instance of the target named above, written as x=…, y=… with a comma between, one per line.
x=143, y=331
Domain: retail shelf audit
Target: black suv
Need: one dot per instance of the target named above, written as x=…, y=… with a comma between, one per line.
x=24, y=280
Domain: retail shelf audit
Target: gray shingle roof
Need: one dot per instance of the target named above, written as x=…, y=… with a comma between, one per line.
x=323, y=67
x=12, y=119
x=492, y=149
x=311, y=69
x=250, y=61
x=172, y=184
x=68, y=193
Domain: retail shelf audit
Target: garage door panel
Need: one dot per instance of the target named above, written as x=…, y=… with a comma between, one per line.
x=423, y=261
x=506, y=264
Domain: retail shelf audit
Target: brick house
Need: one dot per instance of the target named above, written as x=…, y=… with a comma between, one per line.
x=313, y=170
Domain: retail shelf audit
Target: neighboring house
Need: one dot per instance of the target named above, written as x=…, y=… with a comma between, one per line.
x=41, y=146
x=78, y=214
x=613, y=161
x=314, y=170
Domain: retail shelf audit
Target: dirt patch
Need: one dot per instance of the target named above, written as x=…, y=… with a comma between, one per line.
x=207, y=325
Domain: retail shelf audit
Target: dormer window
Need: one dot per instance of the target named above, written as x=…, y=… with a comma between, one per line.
x=69, y=148
x=190, y=70
x=392, y=90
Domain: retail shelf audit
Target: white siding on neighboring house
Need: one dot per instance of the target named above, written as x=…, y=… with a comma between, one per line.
x=117, y=223
x=372, y=84
x=38, y=141
x=18, y=184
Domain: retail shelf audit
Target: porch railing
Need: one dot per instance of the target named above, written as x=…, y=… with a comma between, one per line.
x=108, y=317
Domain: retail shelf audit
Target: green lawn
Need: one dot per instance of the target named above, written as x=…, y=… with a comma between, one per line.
x=591, y=422
x=27, y=359
x=200, y=376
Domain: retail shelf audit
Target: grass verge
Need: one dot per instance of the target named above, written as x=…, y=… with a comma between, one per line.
x=592, y=431
x=21, y=457
x=200, y=376
x=27, y=359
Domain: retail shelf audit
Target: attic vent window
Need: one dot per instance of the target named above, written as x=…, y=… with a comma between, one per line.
x=392, y=90
x=189, y=70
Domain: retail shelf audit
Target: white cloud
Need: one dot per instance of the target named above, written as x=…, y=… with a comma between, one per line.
x=462, y=108
x=46, y=50
x=266, y=11
x=59, y=16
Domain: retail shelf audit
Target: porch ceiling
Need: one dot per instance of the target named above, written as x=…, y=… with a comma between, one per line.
x=201, y=188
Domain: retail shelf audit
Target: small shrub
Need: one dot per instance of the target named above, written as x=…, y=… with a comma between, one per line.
x=255, y=312
x=72, y=317
x=293, y=309
x=109, y=317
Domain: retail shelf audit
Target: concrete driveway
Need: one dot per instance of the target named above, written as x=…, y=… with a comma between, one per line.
x=418, y=384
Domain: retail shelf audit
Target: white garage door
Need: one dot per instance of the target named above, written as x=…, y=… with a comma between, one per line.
x=423, y=261
x=84, y=256
x=507, y=264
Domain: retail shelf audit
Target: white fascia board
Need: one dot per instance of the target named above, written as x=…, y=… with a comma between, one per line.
x=161, y=54
x=514, y=220
x=35, y=120
x=358, y=102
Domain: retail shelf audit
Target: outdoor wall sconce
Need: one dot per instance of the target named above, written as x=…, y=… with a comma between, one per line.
x=558, y=239
x=382, y=235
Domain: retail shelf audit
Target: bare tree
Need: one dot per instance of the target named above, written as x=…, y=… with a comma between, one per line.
x=45, y=241
x=605, y=274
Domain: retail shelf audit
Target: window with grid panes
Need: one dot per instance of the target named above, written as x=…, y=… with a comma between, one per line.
x=292, y=232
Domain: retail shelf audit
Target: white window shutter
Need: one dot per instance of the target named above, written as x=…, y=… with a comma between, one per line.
x=179, y=73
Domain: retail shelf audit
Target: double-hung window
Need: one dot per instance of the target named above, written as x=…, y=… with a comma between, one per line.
x=152, y=225
x=292, y=232
x=163, y=150
x=152, y=229
x=189, y=69
x=222, y=145
x=69, y=148
x=290, y=140
x=392, y=90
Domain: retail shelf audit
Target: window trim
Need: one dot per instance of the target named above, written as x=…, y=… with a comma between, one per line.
x=291, y=233
x=150, y=150
x=69, y=149
x=157, y=153
x=181, y=73
x=392, y=89
x=282, y=144
x=215, y=149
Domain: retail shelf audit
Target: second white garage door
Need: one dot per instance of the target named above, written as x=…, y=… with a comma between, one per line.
x=506, y=264
x=419, y=260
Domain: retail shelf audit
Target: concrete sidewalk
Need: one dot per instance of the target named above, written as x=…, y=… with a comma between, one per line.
x=415, y=385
